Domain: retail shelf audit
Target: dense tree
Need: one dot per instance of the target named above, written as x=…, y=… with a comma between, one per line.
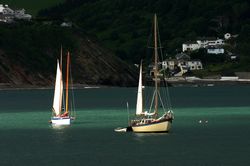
x=124, y=25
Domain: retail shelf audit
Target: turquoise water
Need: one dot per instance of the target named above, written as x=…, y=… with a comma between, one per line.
x=27, y=138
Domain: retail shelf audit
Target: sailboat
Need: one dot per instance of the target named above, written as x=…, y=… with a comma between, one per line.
x=61, y=115
x=151, y=121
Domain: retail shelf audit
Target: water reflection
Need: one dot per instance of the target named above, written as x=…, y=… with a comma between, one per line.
x=60, y=133
x=140, y=137
x=59, y=127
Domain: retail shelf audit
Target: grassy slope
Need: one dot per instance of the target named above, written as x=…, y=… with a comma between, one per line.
x=31, y=6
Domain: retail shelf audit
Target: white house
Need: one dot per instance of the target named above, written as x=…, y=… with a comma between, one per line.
x=169, y=63
x=183, y=64
x=1, y=8
x=8, y=11
x=202, y=43
x=194, y=65
x=8, y=15
x=205, y=42
x=66, y=24
x=190, y=46
x=20, y=14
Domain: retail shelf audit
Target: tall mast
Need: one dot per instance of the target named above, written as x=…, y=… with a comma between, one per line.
x=67, y=83
x=61, y=58
x=156, y=63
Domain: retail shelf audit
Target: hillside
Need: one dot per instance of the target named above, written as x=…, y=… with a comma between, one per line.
x=28, y=54
x=124, y=25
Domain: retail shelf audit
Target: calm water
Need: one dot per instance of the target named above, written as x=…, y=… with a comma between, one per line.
x=27, y=139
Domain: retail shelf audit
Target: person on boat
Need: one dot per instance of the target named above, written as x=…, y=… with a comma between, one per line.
x=65, y=114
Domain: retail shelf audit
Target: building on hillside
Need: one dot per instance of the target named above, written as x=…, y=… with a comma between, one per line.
x=183, y=62
x=8, y=15
x=66, y=24
x=205, y=42
x=190, y=46
x=20, y=14
x=169, y=64
x=194, y=65
x=215, y=50
x=202, y=43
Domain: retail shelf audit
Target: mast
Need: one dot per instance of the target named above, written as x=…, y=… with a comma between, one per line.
x=156, y=64
x=61, y=58
x=63, y=102
x=67, y=84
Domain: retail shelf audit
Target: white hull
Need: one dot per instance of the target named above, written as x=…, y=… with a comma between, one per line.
x=121, y=129
x=152, y=127
x=60, y=121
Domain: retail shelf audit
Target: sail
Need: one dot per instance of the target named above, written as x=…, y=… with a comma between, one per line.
x=57, y=102
x=139, y=105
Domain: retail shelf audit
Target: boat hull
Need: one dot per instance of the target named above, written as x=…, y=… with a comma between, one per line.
x=163, y=126
x=60, y=120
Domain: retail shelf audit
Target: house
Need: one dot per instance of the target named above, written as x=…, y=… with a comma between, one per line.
x=183, y=62
x=202, y=43
x=194, y=65
x=6, y=18
x=183, y=65
x=169, y=64
x=7, y=11
x=190, y=46
x=205, y=42
x=1, y=8
x=8, y=15
x=215, y=50
x=66, y=24
x=20, y=14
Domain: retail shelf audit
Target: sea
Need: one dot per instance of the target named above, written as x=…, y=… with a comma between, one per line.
x=211, y=128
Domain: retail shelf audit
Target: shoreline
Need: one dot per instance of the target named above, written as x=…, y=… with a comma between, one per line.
x=171, y=82
x=207, y=82
x=36, y=87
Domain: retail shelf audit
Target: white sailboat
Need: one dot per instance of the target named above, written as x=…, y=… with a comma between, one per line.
x=150, y=121
x=61, y=115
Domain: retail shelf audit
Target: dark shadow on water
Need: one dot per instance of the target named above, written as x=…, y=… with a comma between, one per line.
x=140, y=135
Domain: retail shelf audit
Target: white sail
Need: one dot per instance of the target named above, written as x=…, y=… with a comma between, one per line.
x=57, y=103
x=139, y=105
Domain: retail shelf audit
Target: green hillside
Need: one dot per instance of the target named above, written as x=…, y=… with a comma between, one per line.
x=104, y=28
x=124, y=25
x=29, y=51
x=31, y=6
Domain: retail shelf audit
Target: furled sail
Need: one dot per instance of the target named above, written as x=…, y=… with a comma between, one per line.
x=57, y=103
x=139, y=105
